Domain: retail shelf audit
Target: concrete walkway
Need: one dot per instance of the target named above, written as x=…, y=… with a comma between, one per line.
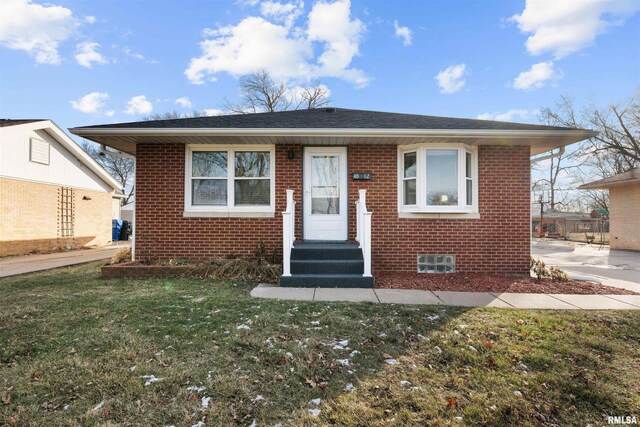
x=15, y=265
x=464, y=299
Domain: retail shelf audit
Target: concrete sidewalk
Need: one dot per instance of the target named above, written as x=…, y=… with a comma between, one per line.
x=464, y=299
x=12, y=266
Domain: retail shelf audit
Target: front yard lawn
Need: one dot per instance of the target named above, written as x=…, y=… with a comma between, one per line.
x=78, y=350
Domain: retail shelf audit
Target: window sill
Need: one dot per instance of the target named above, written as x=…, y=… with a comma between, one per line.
x=439, y=215
x=227, y=214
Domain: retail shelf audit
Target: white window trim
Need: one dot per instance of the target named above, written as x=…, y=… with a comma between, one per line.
x=421, y=209
x=245, y=211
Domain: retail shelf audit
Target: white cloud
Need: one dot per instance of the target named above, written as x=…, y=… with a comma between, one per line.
x=213, y=112
x=137, y=55
x=110, y=113
x=91, y=103
x=90, y=19
x=285, y=50
x=36, y=29
x=184, y=102
x=563, y=27
x=403, y=33
x=86, y=54
x=510, y=115
x=139, y=105
x=451, y=79
x=285, y=13
x=537, y=76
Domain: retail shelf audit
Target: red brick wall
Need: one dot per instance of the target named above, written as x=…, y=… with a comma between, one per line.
x=161, y=230
x=498, y=242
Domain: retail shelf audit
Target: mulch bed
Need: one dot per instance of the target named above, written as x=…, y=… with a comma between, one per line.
x=470, y=282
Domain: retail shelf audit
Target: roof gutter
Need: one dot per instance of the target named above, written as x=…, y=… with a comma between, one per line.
x=549, y=156
x=120, y=154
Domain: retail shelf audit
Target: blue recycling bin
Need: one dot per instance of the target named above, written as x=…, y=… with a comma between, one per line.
x=116, y=226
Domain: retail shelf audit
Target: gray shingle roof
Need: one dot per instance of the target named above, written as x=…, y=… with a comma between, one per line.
x=14, y=122
x=327, y=118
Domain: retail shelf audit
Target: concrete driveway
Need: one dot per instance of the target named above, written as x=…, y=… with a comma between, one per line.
x=614, y=268
x=15, y=265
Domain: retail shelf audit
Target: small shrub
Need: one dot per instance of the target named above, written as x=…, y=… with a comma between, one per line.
x=245, y=270
x=123, y=255
x=558, y=275
x=539, y=269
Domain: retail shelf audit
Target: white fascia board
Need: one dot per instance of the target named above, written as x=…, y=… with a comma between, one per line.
x=77, y=151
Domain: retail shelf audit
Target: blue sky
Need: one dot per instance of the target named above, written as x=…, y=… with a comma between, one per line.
x=89, y=62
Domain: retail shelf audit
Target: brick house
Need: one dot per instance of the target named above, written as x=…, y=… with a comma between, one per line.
x=442, y=194
x=52, y=194
x=624, y=208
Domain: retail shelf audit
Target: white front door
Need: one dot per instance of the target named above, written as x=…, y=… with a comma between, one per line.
x=325, y=193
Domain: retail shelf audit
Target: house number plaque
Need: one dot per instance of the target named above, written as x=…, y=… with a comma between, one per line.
x=363, y=176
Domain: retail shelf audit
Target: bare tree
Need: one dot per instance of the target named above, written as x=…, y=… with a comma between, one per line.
x=561, y=166
x=123, y=170
x=614, y=150
x=259, y=92
x=174, y=115
x=619, y=127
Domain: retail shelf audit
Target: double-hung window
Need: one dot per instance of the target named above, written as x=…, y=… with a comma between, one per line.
x=231, y=179
x=437, y=178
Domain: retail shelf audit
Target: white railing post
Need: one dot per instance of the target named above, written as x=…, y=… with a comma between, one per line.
x=288, y=233
x=358, y=222
x=363, y=230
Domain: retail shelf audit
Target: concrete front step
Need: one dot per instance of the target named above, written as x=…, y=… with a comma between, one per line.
x=323, y=266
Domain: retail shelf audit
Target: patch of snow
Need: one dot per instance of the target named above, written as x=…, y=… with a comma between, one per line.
x=98, y=406
x=205, y=401
x=65, y=407
x=258, y=398
x=315, y=323
x=472, y=348
x=342, y=362
x=349, y=388
x=133, y=368
x=200, y=424
x=382, y=335
x=422, y=337
x=523, y=366
x=517, y=393
x=354, y=353
x=196, y=389
x=405, y=383
x=246, y=327
x=433, y=318
x=314, y=412
x=253, y=424
x=391, y=361
x=438, y=349
x=341, y=345
x=316, y=402
x=150, y=379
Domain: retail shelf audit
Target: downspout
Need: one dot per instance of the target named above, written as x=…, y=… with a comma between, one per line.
x=120, y=154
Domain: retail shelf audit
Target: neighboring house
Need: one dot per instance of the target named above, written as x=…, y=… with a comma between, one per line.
x=53, y=196
x=127, y=212
x=562, y=224
x=624, y=207
x=442, y=194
